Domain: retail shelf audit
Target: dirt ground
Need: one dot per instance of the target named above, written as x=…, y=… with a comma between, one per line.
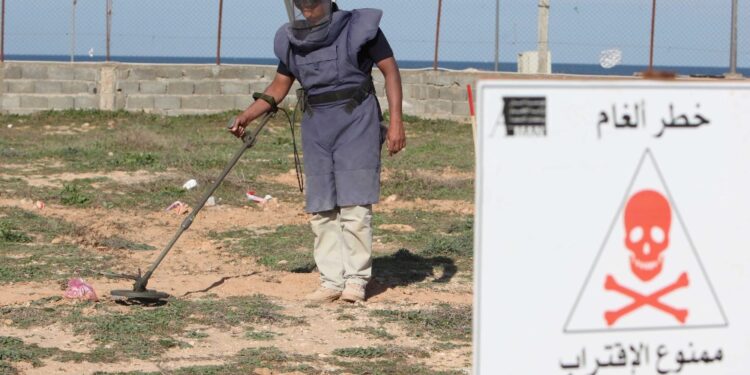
x=198, y=267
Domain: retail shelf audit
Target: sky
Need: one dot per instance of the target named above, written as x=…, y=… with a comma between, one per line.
x=688, y=32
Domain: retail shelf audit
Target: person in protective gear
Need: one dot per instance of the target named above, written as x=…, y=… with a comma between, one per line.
x=331, y=52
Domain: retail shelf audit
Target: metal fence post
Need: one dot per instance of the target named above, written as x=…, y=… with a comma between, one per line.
x=543, y=36
x=2, y=35
x=651, y=48
x=73, y=31
x=109, y=26
x=497, y=35
x=289, y=10
x=218, y=43
x=733, y=47
x=437, y=35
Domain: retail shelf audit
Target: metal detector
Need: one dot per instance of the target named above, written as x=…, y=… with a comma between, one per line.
x=139, y=293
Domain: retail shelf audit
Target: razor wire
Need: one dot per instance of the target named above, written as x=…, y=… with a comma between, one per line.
x=594, y=36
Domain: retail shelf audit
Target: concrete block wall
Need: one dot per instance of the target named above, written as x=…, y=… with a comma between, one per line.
x=186, y=89
x=32, y=87
x=27, y=87
x=433, y=94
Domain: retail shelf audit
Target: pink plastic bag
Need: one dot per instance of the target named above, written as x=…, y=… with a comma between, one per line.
x=178, y=207
x=255, y=198
x=78, y=289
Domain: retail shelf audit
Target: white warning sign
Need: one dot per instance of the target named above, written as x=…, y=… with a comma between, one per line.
x=611, y=227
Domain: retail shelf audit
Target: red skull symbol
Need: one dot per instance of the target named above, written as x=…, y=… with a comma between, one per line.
x=647, y=220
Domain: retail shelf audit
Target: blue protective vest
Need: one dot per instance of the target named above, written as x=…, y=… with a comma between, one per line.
x=341, y=145
x=329, y=62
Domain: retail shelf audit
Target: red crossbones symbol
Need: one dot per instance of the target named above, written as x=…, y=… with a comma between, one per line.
x=640, y=300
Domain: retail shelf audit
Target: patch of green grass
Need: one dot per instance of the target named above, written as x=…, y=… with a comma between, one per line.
x=446, y=345
x=443, y=321
x=260, y=335
x=349, y=317
x=202, y=370
x=77, y=156
x=14, y=350
x=409, y=185
x=392, y=352
x=250, y=359
x=144, y=332
x=10, y=233
x=25, y=317
x=168, y=342
x=83, y=150
x=41, y=227
x=460, y=246
x=119, y=243
x=383, y=360
x=285, y=248
x=193, y=146
x=152, y=195
x=38, y=262
x=31, y=257
x=199, y=147
x=245, y=362
x=138, y=334
x=374, y=332
x=13, y=184
x=7, y=369
x=430, y=228
x=196, y=335
x=17, y=188
x=73, y=195
x=369, y=352
x=233, y=311
x=133, y=160
x=432, y=145
x=388, y=367
x=45, y=300
x=258, y=357
x=435, y=145
x=404, y=117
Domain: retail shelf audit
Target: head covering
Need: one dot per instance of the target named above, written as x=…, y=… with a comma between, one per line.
x=309, y=20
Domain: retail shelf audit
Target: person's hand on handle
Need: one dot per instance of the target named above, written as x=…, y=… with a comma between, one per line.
x=239, y=125
x=278, y=89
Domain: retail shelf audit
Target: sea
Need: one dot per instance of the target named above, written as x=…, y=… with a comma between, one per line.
x=584, y=69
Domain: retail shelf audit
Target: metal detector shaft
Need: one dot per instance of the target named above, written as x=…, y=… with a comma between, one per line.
x=248, y=142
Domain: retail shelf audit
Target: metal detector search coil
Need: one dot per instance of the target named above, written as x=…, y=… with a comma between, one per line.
x=139, y=293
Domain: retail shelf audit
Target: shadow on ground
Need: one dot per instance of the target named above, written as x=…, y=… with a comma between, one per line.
x=404, y=267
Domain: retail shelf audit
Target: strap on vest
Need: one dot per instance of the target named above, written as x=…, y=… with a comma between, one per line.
x=356, y=96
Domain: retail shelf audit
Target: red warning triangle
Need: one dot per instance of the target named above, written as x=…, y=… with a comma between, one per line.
x=647, y=274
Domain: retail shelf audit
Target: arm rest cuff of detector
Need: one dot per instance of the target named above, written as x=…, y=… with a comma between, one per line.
x=268, y=99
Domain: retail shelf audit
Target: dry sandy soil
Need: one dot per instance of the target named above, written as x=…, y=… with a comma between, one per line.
x=198, y=267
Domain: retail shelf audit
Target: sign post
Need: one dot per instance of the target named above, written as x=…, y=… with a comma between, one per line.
x=611, y=227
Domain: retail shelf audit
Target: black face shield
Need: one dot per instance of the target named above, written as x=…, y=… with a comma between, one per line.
x=308, y=18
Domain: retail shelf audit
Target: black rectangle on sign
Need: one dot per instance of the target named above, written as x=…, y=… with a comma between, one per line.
x=525, y=115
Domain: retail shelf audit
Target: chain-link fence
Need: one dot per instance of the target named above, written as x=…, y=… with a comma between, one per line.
x=691, y=36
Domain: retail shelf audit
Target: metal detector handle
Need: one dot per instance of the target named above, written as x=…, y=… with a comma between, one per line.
x=248, y=142
x=263, y=121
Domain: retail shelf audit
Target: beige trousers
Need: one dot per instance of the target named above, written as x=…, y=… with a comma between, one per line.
x=343, y=245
